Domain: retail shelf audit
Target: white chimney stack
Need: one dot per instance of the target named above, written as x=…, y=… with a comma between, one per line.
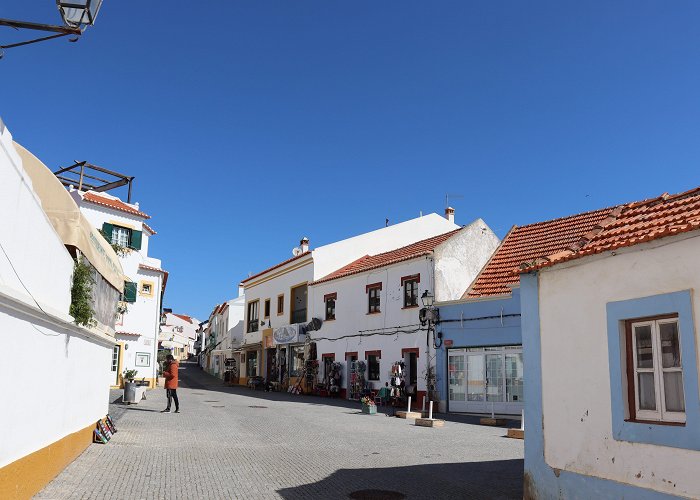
x=304, y=244
x=450, y=214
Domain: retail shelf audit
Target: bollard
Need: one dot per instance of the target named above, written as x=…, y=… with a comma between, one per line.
x=492, y=414
x=430, y=415
x=423, y=408
x=409, y=404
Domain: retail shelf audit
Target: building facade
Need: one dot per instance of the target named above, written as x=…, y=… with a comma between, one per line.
x=178, y=333
x=55, y=377
x=611, y=349
x=138, y=323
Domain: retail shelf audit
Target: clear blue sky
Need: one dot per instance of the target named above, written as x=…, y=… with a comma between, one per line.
x=251, y=124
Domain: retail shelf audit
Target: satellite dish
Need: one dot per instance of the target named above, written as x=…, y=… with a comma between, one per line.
x=296, y=251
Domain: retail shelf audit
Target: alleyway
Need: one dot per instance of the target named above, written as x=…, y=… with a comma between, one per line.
x=237, y=443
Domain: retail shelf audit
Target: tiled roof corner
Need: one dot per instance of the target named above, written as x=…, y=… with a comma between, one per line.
x=370, y=262
x=149, y=229
x=635, y=223
x=114, y=204
x=529, y=244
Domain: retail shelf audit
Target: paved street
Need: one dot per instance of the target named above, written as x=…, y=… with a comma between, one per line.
x=237, y=443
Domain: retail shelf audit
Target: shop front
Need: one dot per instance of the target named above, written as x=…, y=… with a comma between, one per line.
x=250, y=362
x=486, y=379
x=290, y=356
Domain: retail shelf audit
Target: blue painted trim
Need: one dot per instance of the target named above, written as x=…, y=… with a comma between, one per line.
x=540, y=479
x=688, y=436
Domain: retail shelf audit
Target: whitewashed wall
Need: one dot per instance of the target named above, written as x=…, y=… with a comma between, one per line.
x=328, y=258
x=460, y=259
x=351, y=317
x=575, y=368
x=54, y=377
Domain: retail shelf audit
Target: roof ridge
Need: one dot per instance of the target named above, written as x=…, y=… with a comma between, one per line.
x=589, y=212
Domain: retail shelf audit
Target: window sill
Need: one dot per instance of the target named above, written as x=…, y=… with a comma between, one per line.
x=411, y=307
x=376, y=312
x=655, y=422
x=329, y=319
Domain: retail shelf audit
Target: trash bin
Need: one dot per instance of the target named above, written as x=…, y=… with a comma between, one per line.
x=129, y=395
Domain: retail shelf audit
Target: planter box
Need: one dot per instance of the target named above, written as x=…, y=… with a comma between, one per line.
x=371, y=410
x=161, y=381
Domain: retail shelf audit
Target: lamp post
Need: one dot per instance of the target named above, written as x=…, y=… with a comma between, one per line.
x=76, y=14
x=429, y=315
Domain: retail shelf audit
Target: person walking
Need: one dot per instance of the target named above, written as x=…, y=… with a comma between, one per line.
x=170, y=374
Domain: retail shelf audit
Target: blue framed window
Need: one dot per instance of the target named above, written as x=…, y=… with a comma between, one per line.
x=653, y=370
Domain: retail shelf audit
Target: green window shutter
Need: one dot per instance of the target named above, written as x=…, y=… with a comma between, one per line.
x=107, y=231
x=135, y=240
x=129, y=291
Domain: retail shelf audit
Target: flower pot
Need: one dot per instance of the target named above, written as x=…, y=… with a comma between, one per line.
x=369, y=409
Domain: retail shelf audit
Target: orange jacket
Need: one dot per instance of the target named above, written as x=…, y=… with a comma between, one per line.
x=171, y=376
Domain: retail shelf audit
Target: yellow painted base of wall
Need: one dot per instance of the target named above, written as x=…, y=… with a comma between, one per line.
x=151, y=384
x=25, y=477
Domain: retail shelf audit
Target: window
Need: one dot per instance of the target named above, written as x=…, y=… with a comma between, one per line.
x=410, y=290
x=297, y=361
x=373, y=294
x=655, y=372
x=267, y=308
x=330, y=305
x=280, y=305
x=143, y=359
x=373, y=365
x=252, y=363
x=253, y=319
x=122, y=236
x=146, y=288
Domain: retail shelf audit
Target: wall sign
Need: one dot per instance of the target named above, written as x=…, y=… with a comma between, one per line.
x=143, y=359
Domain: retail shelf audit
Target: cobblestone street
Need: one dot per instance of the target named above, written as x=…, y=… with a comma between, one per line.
x=238, y=443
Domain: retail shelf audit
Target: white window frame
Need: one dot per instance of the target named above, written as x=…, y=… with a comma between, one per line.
x=660, y=414
x=121, y=236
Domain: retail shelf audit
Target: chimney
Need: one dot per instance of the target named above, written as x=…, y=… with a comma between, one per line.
x=241, y=290
x=304, y=244
x=450, y=214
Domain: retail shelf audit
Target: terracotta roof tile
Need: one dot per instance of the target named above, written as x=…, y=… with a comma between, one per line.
x=633, y=224
x=296, y=257
x=113, y=204
x=128, y=334
x=184, y=317
x=527, y=243
x=149, y=228
x=369, y=262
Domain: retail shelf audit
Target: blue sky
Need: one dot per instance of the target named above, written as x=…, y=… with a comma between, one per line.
x=251, y=124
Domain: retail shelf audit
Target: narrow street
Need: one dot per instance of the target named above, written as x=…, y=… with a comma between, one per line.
x=238, y=443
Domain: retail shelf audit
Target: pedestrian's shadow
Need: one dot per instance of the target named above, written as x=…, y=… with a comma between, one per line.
x=141, y=409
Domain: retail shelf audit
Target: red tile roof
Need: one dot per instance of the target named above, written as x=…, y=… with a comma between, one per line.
x=296, y=257
x=184, y=317
x=149, y=228
x=527, y=243
x=632, y=224
x=369, y=262
x=113, y=204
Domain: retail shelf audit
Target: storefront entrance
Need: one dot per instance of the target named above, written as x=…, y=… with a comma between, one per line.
x=486, y=379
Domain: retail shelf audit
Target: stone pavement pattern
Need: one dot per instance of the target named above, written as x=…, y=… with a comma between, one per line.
x=295, y=447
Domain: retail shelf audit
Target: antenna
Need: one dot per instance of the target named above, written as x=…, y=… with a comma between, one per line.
x=296, y=251
x=451, y=195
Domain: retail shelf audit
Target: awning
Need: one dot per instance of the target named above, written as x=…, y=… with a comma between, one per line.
x=70, y=224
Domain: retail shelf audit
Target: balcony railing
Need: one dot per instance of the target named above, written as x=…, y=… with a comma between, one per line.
x=299, y=316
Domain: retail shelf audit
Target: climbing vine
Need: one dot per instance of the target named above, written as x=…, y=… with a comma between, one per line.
x=121, y=251
x=81, y=294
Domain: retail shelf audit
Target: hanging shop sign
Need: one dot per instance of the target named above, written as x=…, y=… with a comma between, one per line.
x=289, y=334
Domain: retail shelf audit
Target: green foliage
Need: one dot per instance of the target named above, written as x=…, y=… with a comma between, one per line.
x=129, y=374
x=81, y=294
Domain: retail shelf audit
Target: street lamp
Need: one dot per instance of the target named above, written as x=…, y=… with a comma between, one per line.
x=428, y=299
x=76, y=14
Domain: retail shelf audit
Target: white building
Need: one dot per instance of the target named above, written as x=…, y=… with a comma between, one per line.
x=277, y=298
x=178, y=333
x=370, y=310
x=611, y=358
x=137, y=329
x=224, y=337
x=54, y=377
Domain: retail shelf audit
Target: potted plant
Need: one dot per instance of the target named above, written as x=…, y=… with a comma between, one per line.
x=368, y=405
x=129, y=386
